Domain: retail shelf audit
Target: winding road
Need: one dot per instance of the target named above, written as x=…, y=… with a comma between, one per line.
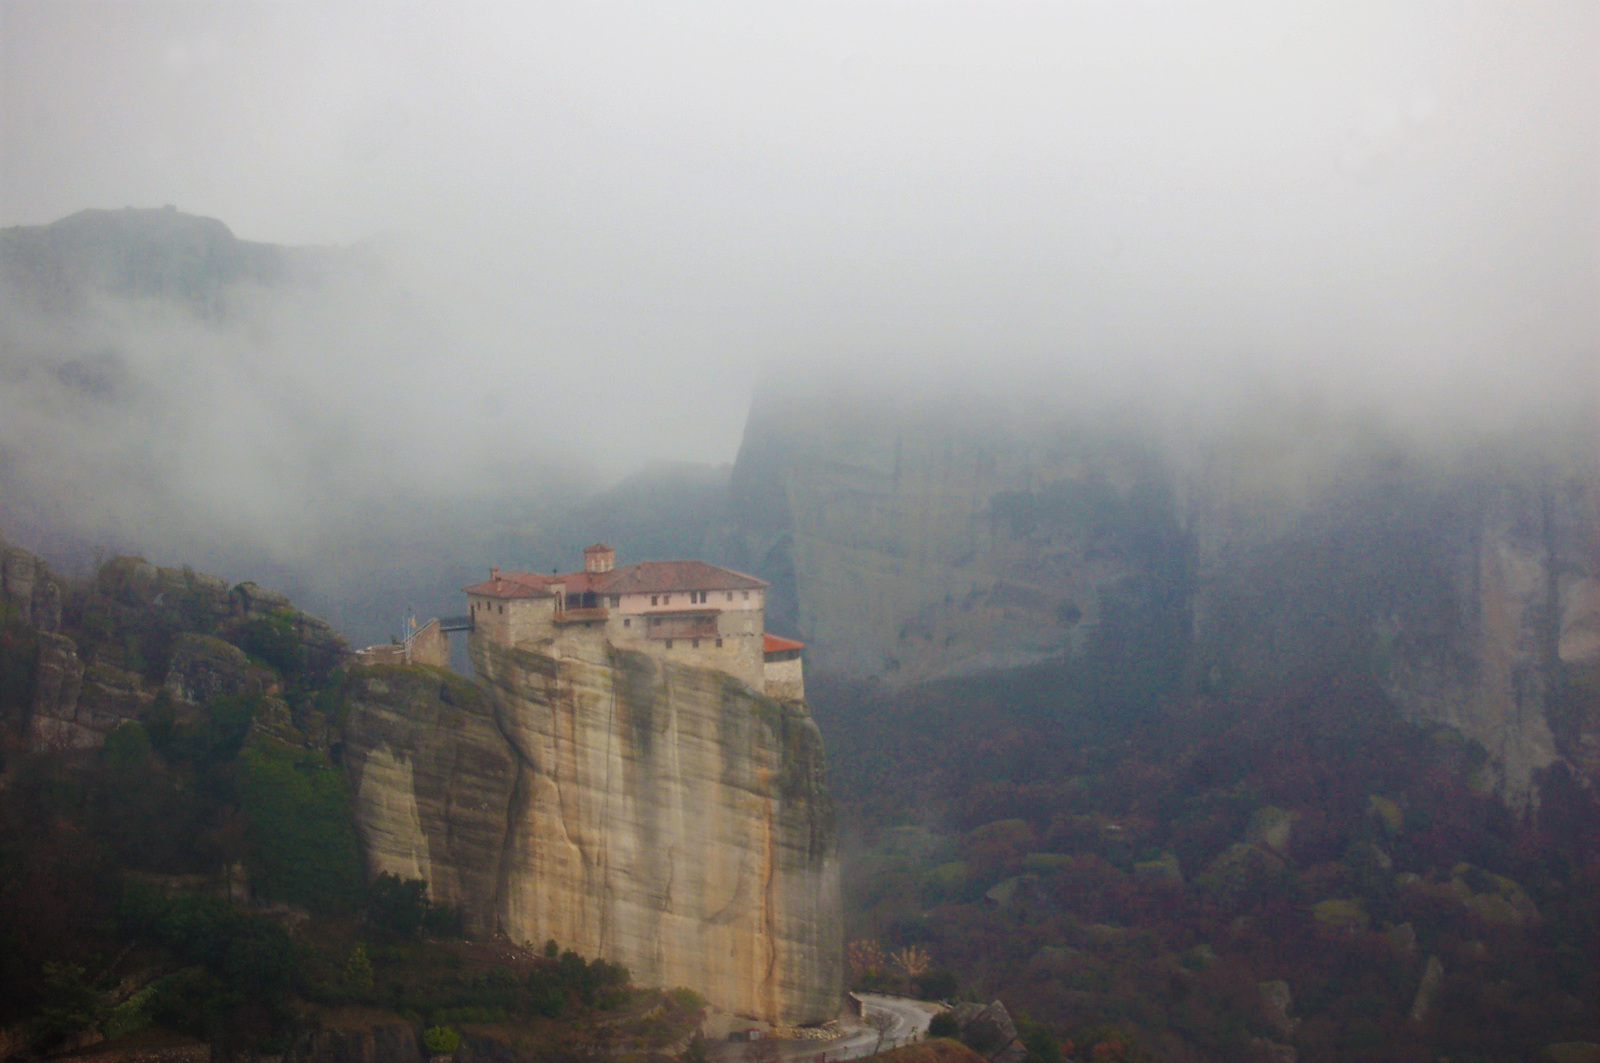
x=902, y=1019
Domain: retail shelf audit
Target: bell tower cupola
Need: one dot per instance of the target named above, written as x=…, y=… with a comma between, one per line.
x=598, y=558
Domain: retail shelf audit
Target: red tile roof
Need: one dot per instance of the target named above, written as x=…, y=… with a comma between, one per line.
x=641, y=577
x=576, y=582
x=503, y=586
x=777, y=644
x=648, y=577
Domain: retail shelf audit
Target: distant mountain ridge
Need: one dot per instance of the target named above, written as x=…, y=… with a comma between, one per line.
x=140, y=253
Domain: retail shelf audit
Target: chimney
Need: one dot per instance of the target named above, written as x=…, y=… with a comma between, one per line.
x=494, y=571
x=599, y=558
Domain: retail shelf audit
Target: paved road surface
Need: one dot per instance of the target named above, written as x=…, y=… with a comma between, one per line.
x=904, y=1020
x=908, y=1021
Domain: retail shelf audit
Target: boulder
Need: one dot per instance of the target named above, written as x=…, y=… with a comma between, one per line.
x=1427, y=989
x=1276, y=1003
x=204, y=668
x=1347, y=915
x=1164, y=870
x=1387, y=812
x=989, y=1031
x=1271, y=826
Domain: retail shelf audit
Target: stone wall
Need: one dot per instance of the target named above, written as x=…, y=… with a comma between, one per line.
x=785, y=680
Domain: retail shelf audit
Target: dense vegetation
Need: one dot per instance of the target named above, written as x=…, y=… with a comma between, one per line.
x=1136, y=882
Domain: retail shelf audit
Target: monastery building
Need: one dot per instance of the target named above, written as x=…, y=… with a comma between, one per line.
x=688, y=611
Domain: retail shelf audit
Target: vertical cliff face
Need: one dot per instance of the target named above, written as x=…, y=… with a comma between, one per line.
x=671, y=819
x=1464, y=581
x=662, y=816
x=918, y=540
x=432, y=777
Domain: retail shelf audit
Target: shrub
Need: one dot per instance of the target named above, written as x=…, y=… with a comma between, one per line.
x=71, y=1003
x=358, y=969
x=302, y=843
x=273, y=640
x=401, y=907
x=132, y=1014
x=441, y=1040
x=944, y=1025
x=397, y=906
x=686, y=999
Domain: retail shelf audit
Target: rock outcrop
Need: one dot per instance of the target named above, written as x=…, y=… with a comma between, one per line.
x=1462, y=581
x=204, y=668
x=53, y=720
x=914, y=539
x=658, y=815
x=671, y=819
x=432, y=777
x=28, y=587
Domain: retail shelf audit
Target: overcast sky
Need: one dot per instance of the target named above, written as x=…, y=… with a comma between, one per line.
x=1388, y=197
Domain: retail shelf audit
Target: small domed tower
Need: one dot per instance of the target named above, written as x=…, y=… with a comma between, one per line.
x=599, y=558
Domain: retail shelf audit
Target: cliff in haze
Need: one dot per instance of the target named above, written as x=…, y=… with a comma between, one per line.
x=653, y=814
x=915, y=540
x=1465, y=579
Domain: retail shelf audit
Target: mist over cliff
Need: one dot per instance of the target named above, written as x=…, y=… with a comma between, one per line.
x=277, y=413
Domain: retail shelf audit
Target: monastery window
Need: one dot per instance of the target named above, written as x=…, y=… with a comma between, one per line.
x=719, y=641
x=694, y=644
x=747, y=596
x=616, y=600
x=653, y=600
x=666, y=599
x=669, y=644
x=730, y=596
x=502, y=610
x=626, y=622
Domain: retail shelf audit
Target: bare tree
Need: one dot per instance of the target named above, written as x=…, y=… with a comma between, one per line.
x=913, y=963
x=883, y=1022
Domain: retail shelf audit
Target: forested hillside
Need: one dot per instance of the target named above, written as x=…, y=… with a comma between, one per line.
x=1216, y=878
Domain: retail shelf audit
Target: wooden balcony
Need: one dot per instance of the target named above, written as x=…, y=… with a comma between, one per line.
x=682, y=626
x=582, y=616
